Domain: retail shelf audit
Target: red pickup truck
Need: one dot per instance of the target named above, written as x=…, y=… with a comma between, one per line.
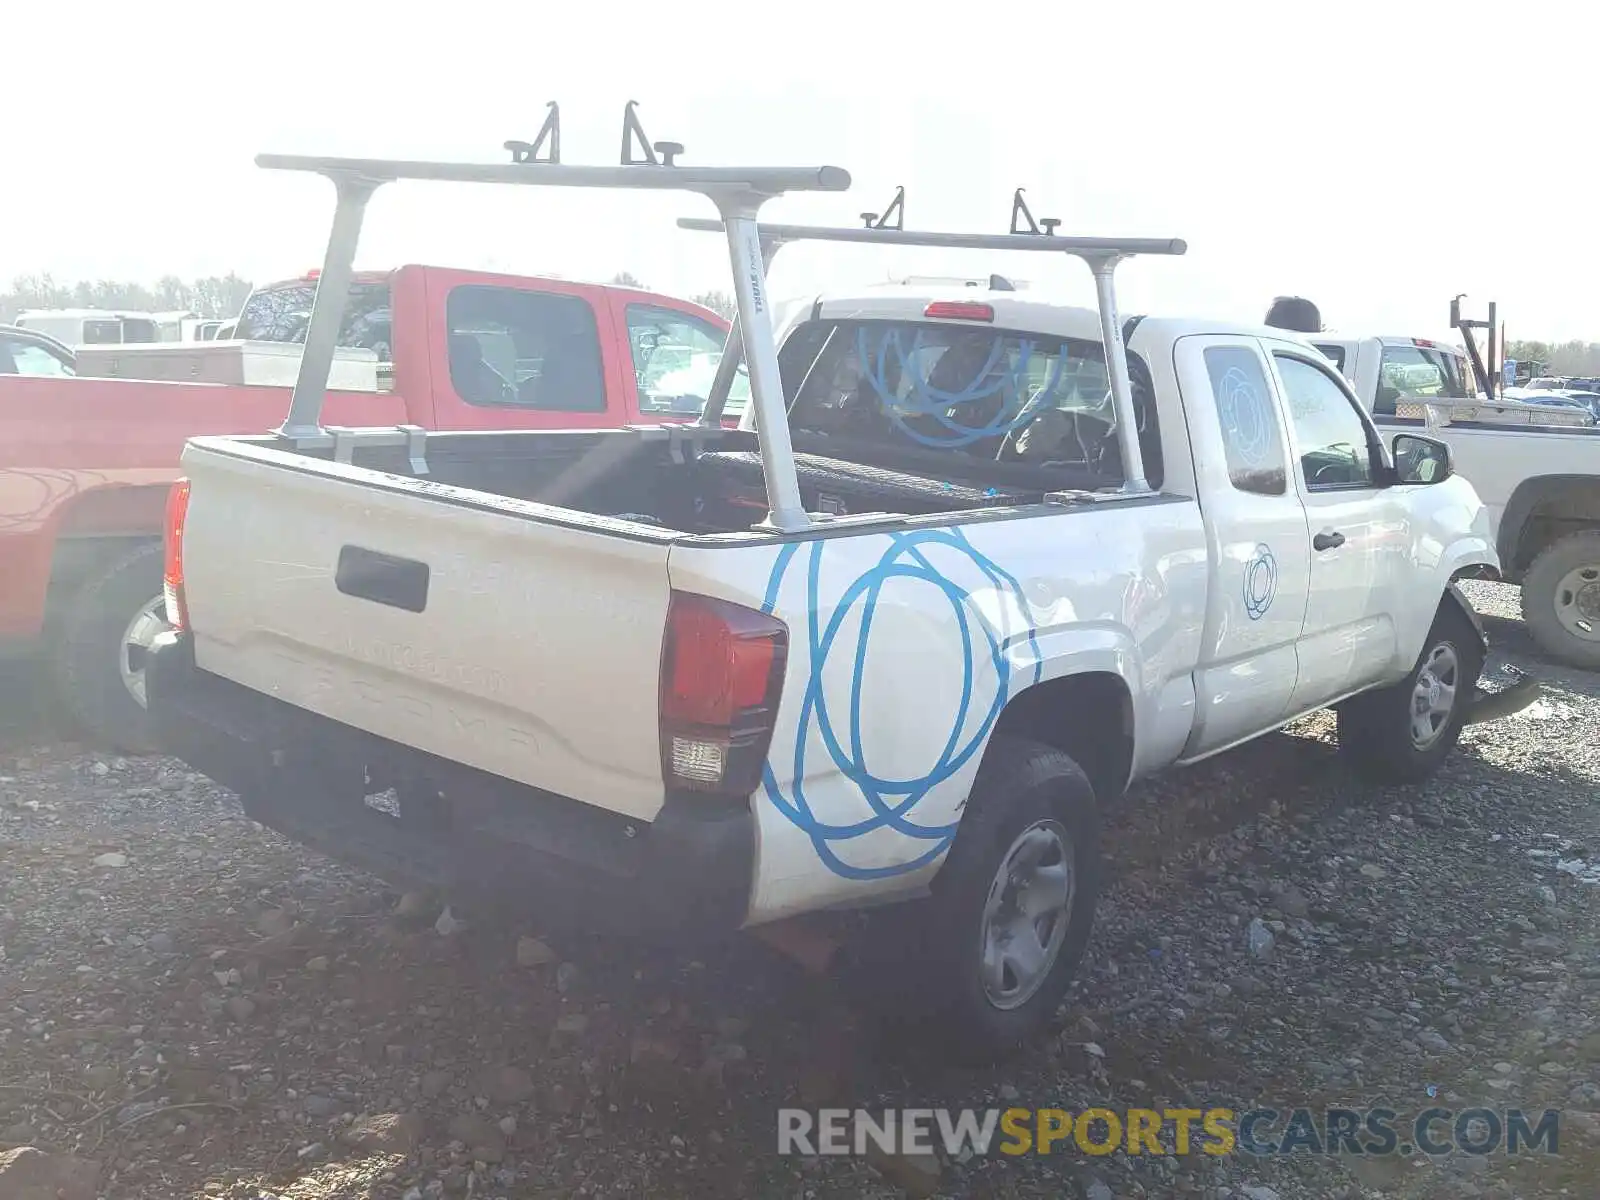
x=85, y=463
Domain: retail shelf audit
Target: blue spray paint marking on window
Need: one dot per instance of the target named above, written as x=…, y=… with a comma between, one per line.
x=995, y=378
x=1260, y=582
x=892, y=801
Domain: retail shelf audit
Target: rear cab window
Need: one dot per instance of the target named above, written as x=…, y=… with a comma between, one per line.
x=988, y=395
x=1426, y=371
x=281, y=312
x=516, y=348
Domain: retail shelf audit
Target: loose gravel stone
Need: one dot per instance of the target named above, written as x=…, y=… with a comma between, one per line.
x=1425, y=945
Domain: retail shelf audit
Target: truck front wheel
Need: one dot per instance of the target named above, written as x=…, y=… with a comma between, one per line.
x=1561, y=599
x=1013, y=905
x=1402, y=733
x=100, y=646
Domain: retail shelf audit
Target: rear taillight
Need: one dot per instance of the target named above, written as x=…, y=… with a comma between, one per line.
x=721, y=673
x=172, y=572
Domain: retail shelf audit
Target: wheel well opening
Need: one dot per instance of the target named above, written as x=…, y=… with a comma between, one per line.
x=1089, y=717
x=77, y=559
x=1568, y=510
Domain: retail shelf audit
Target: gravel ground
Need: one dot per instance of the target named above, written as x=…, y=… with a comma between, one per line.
x=209, y=1010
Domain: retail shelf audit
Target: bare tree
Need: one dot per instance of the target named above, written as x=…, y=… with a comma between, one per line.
x=718, y=302
x=212, y=296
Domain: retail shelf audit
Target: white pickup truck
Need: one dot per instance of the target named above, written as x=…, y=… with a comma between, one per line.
x=1537, y=469
x=991, y=561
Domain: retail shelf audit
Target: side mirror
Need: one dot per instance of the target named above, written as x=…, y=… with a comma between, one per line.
x=1419, y=459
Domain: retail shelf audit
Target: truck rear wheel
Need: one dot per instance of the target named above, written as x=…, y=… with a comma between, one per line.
x=100, y=647
x=1402, y=733
x=1013, y=906
x=1561, y=599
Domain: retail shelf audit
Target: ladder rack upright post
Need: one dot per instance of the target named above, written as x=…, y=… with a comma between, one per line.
x=737, y=192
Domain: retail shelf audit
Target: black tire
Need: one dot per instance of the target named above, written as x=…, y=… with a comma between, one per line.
x=1375, y=728
x=1021, y=786
x=1541, y=603
x=88, y=650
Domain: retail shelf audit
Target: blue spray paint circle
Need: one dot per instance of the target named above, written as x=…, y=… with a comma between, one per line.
x=892, y=800
x=1247, y=421
x=1260, y=582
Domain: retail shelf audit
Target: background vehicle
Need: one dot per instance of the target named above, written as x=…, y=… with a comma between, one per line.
x=171, y=326
x=1588, y=402
x=1532, y=454
x=91, y=326
x=29, y=352
x=583, y=663
x=85, y=463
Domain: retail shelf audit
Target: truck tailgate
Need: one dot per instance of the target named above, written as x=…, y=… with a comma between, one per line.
x=472, y=630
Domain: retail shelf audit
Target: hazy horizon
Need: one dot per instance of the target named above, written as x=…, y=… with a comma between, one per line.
x=1370, y=160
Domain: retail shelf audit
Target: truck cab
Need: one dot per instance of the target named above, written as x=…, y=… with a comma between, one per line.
x=481, y=350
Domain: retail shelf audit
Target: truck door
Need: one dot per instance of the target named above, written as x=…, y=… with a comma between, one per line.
x=1258, y=547
x=1358, y=532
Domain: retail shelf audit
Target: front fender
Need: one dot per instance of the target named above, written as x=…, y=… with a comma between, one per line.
x=1449, y=536
x=1454, y=595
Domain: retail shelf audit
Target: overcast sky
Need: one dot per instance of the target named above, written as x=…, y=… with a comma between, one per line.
x=1376, y=158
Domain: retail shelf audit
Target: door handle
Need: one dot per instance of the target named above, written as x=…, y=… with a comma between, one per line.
x=1327, y=540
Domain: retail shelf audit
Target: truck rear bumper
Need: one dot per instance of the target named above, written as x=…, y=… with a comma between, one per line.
x=416, y=820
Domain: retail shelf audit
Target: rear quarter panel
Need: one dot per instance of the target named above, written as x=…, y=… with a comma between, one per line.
x=906, y=644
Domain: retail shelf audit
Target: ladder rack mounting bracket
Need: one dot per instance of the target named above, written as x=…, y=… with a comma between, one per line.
x=896, y=210
x=1043, y=227
x=549, y=132
x=634, y=138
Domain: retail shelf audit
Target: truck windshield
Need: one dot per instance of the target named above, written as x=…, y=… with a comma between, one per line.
x=280, y=313
x=985, y=393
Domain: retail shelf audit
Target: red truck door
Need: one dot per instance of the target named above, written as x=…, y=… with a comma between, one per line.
x=512, y=353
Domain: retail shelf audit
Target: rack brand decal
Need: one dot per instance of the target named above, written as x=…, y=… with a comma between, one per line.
x=1260, y=581
x=758, y=299
x=988, y=625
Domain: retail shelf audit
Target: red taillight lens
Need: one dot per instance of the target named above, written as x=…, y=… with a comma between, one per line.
x=172, y=572
x=956, y=310
x=721, y=672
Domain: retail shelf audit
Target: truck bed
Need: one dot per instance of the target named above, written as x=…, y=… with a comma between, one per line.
x=697, y=482
x=436, y=610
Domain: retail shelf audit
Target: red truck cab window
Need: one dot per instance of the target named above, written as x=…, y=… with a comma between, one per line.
x=511, y=347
